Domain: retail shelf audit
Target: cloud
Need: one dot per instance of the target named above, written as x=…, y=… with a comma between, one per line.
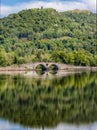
x=58, y=5
x=90, y=4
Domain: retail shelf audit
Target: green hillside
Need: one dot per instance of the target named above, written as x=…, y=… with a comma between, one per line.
x=47, y=35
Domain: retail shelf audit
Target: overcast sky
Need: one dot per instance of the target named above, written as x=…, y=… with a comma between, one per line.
x=12, y=6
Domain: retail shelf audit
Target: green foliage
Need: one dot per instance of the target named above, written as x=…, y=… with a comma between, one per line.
x=3, y=58
x=35, y=34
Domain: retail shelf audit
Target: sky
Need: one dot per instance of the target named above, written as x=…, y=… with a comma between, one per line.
x=13, y=6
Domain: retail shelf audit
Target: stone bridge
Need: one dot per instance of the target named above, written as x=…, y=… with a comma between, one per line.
x=46, y=65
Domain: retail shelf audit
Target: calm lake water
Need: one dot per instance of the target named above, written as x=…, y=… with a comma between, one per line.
x=48, y=103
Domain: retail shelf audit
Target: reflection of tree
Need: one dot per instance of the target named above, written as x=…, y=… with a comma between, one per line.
x=46, y=102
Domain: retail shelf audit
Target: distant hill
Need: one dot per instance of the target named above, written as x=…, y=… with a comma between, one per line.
x=47, y=35
x=80, y=11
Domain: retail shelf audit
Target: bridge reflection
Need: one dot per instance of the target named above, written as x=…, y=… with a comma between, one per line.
x=44, y=74
x=40, y=73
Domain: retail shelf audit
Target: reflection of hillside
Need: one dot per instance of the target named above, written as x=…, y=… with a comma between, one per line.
x=36, y=102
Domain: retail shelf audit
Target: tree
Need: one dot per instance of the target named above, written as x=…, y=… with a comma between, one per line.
x=3, y=58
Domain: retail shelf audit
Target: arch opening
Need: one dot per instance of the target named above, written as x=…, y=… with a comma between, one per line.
x=53, y=67
x=40, y=67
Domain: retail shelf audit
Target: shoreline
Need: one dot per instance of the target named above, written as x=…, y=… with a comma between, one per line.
x=67, y=68
x=24, y=70
x=45, y=74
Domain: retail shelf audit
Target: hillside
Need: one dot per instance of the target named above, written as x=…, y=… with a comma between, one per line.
x=47, y=35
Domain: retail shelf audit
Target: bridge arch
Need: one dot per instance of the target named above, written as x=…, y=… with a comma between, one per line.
x=40, y=67
x=53, y=67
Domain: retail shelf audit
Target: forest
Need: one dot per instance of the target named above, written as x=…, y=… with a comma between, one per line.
x=46, y=35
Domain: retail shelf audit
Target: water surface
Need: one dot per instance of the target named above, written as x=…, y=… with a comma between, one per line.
x=50, y=103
